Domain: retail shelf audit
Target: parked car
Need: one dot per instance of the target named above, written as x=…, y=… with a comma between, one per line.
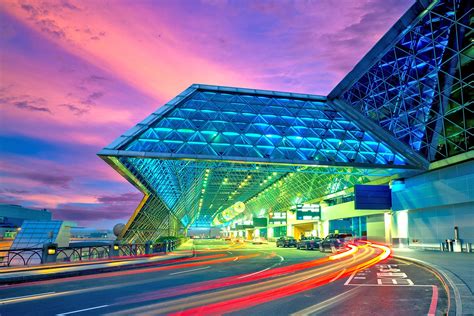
x=335, y=241
x=259, y=241
x=308, y=243
x=286, y=242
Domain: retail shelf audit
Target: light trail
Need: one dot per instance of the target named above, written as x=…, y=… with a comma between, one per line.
x=250, y=295
x=162, y=266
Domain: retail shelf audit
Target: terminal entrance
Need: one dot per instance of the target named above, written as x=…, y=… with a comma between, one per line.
x=304, y=230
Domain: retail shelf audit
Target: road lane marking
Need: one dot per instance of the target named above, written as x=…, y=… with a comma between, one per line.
x=350, y=278
x=82, y=310
x=434, y=301
x=393, y=285
x=12, y=299
x=338, y=276
x=272, y=266
x=247, y=275
x=327, y=303
x=192, y=270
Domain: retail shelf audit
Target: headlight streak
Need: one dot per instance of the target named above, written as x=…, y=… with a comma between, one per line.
x=233, y=280
x=246, y=296
x=157, y=266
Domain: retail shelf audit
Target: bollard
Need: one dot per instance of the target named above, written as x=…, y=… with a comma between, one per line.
x=114, y=249
x=50, y=252
x=442, y=247
x=449, y=244
x=148, y=248
x=457, y=245
x=468, y=247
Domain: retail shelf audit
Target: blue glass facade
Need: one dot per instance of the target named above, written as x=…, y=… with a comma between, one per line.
x=407, y=103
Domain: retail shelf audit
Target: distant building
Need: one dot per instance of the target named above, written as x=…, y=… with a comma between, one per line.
x=13, y=216
x=90, y=234
x=33, y=234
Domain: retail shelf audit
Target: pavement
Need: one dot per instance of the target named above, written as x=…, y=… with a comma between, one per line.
x=14, y=275
x=457, y=268
x=241, y=279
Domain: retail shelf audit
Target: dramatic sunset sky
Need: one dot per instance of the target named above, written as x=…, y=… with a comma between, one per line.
x=74, y=75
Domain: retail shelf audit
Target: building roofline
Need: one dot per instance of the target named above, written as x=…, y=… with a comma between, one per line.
x=393, y=35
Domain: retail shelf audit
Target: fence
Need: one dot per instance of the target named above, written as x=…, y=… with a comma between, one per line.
x=35, y=256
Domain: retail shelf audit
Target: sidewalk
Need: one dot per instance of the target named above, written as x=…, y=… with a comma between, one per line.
x=61, y=270
x=457, y=268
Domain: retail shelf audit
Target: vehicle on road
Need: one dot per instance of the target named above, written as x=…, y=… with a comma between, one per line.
x=286, y=242
x=259, y=241
x=309, y=243
x=333, y=242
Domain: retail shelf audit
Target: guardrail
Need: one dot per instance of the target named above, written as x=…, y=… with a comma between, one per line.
x=51, y=253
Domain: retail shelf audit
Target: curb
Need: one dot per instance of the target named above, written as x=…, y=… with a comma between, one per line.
x=454, y=297
x=98, y=270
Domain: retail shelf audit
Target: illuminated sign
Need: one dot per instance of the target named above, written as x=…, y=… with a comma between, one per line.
x=260, y=221
x=372, y=197
x=308, y=211
x=275, y=218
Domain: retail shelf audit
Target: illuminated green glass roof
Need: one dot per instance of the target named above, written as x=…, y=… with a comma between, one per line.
x=408, y=102
x=212, y=147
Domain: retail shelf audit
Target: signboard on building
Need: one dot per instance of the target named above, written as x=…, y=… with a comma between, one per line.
x=242, y=227
x=260, y=222
x=308, y=212
x=372, y=197
x=277, y=218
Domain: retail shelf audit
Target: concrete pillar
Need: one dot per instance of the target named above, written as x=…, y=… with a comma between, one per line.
x=399, y=229
x=50, y=253
x=148, y=248
x=114, y=249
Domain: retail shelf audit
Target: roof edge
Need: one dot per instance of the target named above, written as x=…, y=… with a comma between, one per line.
x=244, y=160
x=393, y=35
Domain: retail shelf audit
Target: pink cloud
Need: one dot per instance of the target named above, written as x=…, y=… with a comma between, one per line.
x=77, y=74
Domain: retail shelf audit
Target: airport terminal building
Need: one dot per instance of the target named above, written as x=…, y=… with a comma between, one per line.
x=400, y=126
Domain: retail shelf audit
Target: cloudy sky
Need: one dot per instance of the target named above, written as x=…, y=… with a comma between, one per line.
x=74, y=75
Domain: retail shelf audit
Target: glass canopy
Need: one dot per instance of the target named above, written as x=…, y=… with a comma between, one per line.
x=407, y=103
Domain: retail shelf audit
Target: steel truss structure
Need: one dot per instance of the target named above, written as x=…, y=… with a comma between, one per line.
x=407, y=103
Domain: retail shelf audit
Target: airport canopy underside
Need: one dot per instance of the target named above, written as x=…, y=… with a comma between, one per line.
x=214, y=153
x=212, y=147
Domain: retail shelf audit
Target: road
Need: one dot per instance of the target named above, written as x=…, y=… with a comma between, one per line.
x=242, y=279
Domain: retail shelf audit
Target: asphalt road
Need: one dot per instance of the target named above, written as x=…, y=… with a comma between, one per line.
x=242, y=279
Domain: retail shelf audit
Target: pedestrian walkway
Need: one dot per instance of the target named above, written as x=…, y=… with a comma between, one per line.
x=58, y=270
x=457, y=267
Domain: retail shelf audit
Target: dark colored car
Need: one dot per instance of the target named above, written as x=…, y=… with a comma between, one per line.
x=308, y=243
x=335, y=241
x=286, y=242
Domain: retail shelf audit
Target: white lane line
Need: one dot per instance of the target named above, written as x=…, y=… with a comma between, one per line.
x=246, y=276
x=338, y=276
x=327, y=303
x=270, y=267
x=359, y=278
x=393, y=285
x=350, y=278
x=25, y=296
x=236, y=258
x=82, y=310
x=197, y=269
x=229, y=252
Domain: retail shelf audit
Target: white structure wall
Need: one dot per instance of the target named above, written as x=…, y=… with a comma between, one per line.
x=436, y=202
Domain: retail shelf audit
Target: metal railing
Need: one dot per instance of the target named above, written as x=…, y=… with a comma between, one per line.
x=26, y=257
x=35, y=256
